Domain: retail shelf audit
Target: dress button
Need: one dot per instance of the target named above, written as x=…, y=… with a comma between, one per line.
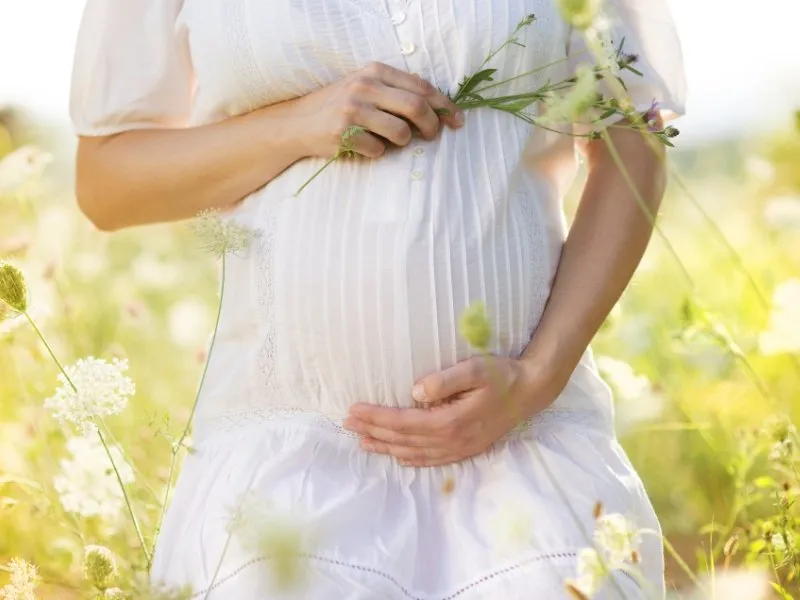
x=418, y=151
x=407, y=48
x=416, y=175
x=398, y=18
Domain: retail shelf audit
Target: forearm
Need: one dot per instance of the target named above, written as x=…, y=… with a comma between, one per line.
x=605, y=244
x=150, y=176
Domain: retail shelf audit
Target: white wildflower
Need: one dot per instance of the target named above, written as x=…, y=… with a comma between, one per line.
x=99, y=566
x=617, y=538
x=576, y=102
x=783, y=332
x=24, y=165
x=782, y=541
x=114, y=594
x=103, y=389
x=279, y=534
x=783, y=213
x=23, y=581
x=592, y=572
x=87, y=484
x=220, y=235
x=189, y=322
x=636, y=400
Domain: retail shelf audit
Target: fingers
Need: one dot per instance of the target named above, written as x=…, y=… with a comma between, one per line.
x=389, y=436
x=413, y=421
x=461, y=377
x=407, y=454
x=413, y=83
x=366, y=144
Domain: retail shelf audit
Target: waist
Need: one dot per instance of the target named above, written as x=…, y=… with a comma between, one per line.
x=231, y=425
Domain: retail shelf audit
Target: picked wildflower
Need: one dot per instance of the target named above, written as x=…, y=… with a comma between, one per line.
x=220, y=235
x=23, y=581
x=99, y=566
x=579, y=13
x=592, y=572
x=114, y=594
x=475, y=326
x=87, y=484
x=617, y=538
x=101, y=389
x=573, y=105
x=22, y=166
x=13, y=290
x=259, y=527
x=783, y=332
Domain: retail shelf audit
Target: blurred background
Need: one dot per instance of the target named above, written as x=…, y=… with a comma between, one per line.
x=703, y=351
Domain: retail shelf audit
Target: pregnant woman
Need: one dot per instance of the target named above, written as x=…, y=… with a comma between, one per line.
x=341, y=400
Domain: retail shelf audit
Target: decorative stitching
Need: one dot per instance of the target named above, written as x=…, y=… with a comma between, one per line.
x=532, y=428
x=393, y=580
x=245, y=66
x=266, y=297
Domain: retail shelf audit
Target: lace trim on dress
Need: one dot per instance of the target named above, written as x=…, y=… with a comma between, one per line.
x=245, y=66
x=533, y=427
x=555, y=556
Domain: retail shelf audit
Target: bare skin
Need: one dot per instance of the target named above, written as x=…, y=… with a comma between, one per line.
x=158, y=175
x=605, y=244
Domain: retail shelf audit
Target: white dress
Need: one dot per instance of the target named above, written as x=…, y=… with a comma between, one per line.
x=353, y=290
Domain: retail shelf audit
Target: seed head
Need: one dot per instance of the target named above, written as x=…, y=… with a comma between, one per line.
x=13, y=290
x=475, y=326
x=671, y=131
x=99, y=566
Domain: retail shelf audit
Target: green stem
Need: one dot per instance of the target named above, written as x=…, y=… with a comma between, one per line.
x=100, y=434
x=320, y=170
x=179, y=444
x=521, y=75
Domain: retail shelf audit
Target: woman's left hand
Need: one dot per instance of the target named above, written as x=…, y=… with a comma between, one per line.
x=465, y=409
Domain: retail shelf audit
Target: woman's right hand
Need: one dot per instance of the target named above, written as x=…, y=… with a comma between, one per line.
x=381, y=99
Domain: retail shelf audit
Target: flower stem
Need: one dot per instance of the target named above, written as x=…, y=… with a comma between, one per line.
x=179, y=444
x=320, y=170
x=125, y=496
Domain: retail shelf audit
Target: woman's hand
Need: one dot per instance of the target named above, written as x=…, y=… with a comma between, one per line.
x=381, y=99
x=466, y=408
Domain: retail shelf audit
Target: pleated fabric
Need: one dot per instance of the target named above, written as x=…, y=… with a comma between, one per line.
x=353, y=289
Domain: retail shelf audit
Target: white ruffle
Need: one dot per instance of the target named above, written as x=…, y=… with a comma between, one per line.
x=368, y=528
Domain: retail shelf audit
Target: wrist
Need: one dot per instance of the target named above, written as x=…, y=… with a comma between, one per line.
x=548, y=366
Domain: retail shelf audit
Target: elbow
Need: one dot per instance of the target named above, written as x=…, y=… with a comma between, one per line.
x=99, y=213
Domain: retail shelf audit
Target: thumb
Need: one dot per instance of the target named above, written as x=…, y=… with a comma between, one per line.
x=441, y=385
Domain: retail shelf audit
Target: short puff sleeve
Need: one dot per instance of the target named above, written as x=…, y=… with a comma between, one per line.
x=646, y=29
x=132, y=68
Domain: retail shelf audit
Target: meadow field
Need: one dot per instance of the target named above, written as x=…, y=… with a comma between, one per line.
x=702, y=352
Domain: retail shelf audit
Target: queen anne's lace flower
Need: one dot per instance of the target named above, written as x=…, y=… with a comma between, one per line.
x=114, y=594
x=23, y=581
x=617, y=538
x=87, y=484
x=592, y=571
x=99, y=566
x=102, y=388
x=221, y=235
x=576, y=102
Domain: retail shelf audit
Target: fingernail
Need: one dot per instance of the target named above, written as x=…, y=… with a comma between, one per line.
x=459, y=118
x=418, y=392
x=348, y=424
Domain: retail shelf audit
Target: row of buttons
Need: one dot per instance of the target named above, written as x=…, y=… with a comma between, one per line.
x=407, y=48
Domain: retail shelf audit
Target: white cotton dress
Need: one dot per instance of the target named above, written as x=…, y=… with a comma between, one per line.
x=353, y=290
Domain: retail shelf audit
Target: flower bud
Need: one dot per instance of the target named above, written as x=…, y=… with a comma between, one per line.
x=580, y=13
x=99, y=566
x=475, y=326
x=13, y=290
x=671, y=131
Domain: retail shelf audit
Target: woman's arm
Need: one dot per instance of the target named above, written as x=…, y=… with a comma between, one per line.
x=154, y=175
x=603, y=248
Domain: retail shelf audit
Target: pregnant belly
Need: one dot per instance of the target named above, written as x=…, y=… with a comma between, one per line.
x=361, y=312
